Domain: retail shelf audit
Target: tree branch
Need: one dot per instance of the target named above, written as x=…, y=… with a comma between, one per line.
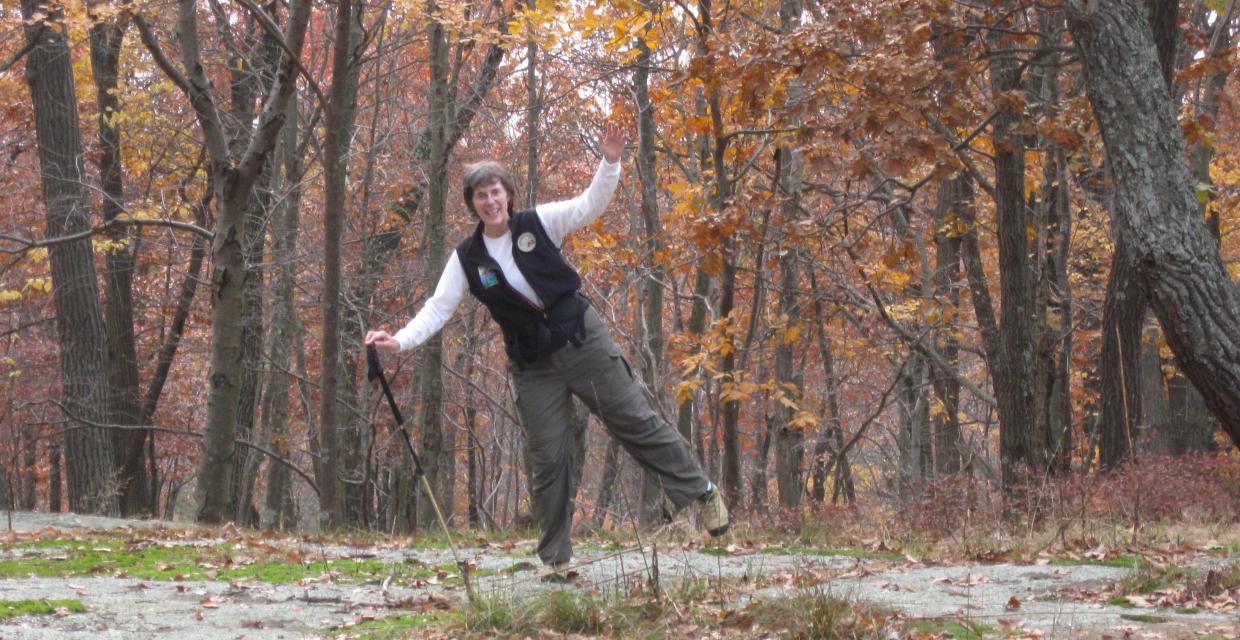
x=88, y=424
x=195, y=86
x=31, y=42
x=270, y=26
x=26, y=244
x=930, y=352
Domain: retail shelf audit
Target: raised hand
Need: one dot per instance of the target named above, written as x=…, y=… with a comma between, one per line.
x=611, y=141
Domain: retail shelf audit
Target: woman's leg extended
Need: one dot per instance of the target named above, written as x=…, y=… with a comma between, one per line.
x=544, y=403
x=598, y=374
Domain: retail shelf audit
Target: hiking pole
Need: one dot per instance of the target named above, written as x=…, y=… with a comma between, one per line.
x=375, y=370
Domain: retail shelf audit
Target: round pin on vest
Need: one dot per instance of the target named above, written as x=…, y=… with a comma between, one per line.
x=526, y=242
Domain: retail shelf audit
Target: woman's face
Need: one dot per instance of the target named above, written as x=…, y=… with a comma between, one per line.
x=491, y=205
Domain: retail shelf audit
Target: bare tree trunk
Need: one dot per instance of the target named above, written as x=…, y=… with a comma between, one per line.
x=338, y=119
x=233, y=183
x=1126, y=301
x=1052, y=295
x=279, y=499
x=838, y=462
x=79, y=322
x=28, y=475
x=54, y=481
x=789, y=438
x=1018, y=415
x=948, y=444
x=436, y=457
x=651, y=235
x=1157, y=210
x=607, y=485
x=1059, y=315
x=720, y=194
x=106, y=37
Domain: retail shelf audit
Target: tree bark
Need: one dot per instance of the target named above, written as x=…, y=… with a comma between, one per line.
x=1120, y=397
x=721, y=195
x=1177, y=260
x=106, y=37
x=233, y=183
x=789, y=438
x=1018, y=417
x=1125, y=303
x=338, y=121
x=279, y=499
x=79, y=321
x=436, y=457
x=948, y=444
x=651, y=238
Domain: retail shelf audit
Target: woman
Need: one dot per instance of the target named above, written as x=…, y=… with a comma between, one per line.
x=557, y=345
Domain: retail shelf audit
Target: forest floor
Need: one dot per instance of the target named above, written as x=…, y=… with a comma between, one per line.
x=70, y=576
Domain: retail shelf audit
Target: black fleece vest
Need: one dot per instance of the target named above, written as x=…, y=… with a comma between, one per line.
x=530, y=333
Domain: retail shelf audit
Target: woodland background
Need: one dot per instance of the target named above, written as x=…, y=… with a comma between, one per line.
x=861, y=250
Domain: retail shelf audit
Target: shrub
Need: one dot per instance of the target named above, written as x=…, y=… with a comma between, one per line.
x=1158, y=489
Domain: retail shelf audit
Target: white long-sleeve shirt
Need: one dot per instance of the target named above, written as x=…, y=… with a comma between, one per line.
x=557, y=218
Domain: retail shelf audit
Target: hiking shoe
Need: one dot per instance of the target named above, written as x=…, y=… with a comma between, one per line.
x=558, y=573
x=679, y=529
x=714, y=513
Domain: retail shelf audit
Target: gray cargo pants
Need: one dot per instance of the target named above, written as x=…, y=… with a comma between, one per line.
x=596, y=373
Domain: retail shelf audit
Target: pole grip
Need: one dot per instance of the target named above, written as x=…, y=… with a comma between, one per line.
x=374, y=370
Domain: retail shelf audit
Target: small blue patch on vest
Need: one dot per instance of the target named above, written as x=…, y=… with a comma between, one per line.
x=488, y=277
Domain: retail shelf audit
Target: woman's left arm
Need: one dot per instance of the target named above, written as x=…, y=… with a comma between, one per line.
x=563, y=217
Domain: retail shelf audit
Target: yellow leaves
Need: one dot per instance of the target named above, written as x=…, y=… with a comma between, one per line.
x=792, y=335
x=39, y=285
x=736, y=391
x=10, y=295
x=686, y=389
x=897, y=255
x=907, y=311
x=888, y=278
x=108, y=245
x=803, y=421
x=952, y=227
x=9, y=362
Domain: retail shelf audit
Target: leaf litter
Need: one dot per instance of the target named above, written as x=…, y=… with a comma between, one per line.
x=1025, y=599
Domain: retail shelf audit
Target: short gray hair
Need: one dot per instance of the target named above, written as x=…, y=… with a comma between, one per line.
x=483, y=173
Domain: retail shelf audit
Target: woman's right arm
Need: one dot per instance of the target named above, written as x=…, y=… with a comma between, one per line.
x=434, y=314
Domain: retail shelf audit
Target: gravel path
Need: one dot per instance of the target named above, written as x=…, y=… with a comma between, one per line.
x=1000, y=596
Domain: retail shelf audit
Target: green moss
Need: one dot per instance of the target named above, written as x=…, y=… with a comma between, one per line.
x=1121, y=601
x=1126, y=562
x=1151, y=579
x=956, y=629
x=16, y=608
x=518, y=567
x=228, y=561
x=832, y=552
x=394, y=628
x=1140, y=617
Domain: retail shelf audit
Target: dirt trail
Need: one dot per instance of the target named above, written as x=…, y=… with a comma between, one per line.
x=1000, y=596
